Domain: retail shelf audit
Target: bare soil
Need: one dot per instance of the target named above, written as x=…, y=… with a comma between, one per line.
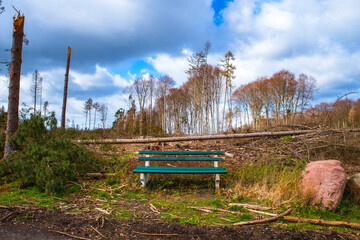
x=38, y=224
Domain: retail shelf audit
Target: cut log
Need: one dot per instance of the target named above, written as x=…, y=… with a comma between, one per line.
x=211, y=137
x=322, y=222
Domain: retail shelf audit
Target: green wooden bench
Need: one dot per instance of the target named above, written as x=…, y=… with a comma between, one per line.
x=180, y=156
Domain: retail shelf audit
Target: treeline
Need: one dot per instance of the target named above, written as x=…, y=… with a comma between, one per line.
x=193, y=108
x=208, y=103
x=280, y=99
x=343, y=113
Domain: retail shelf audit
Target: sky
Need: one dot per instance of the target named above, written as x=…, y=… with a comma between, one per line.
x=116, y=41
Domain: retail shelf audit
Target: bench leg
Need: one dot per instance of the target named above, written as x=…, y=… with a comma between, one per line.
x=146, y=178
x=143, y=179
x=217, y=181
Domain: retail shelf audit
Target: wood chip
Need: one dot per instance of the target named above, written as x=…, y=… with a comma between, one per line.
x=154, y=209
x=102, y=211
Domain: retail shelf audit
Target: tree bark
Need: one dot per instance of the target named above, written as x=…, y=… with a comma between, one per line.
x=63, y=115
x=14, y=88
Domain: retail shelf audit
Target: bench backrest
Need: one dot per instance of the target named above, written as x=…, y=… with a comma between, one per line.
x=182, y=152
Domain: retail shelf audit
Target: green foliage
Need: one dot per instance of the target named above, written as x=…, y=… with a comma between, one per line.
x=45, y=158
x=286, y=138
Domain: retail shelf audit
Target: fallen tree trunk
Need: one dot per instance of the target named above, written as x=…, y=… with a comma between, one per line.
x=212, y=137
x=322, y=222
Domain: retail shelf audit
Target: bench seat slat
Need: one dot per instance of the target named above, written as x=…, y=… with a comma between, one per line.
x=180, y=159
x=180, y=170
x=183, y=152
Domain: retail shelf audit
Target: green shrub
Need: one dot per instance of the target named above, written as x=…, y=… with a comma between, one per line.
x=46, y=158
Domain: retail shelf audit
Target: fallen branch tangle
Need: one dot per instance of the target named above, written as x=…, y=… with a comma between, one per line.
x=212, y=137
x=264, y=220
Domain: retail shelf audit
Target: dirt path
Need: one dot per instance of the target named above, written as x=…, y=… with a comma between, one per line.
x=38, y=224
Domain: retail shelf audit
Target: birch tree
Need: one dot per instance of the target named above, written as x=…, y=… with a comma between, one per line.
x=228, y=72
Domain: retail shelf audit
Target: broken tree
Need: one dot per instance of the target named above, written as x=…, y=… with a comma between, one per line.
x=14, y=87
x=63, y=115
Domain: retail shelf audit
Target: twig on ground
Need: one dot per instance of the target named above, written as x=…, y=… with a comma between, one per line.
x=214, y=209
x=69, y=235
x=154, y=209
x=118, y=188
x=102, y=211
x=97, y=231
x=5, y=217
x=201, y=209
x=256, y=207
x=260, y=212
x=156, y=234
x=264, y=220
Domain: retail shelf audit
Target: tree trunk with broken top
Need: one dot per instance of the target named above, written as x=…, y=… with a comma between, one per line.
x=14, y=87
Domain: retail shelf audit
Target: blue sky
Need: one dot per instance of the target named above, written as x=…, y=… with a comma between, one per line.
x=115, y=41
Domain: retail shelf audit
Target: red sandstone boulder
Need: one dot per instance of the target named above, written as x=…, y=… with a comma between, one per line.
x=324, y=182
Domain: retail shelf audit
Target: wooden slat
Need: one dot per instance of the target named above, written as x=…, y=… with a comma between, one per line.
x=180, y=170
x=180, y=159
x=183, y=152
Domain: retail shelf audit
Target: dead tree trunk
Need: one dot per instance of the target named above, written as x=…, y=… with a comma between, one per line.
x=63, y=115
x=14, y=87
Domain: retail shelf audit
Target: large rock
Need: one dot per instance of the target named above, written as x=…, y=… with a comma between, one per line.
x=324, y=183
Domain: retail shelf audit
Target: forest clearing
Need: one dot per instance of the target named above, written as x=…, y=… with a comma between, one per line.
x=263, y=171
x=137, y=153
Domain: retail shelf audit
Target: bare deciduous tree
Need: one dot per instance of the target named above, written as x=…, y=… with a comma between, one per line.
x=103, y=115
x=87, y=110
x=96, y=107
x=228, y=72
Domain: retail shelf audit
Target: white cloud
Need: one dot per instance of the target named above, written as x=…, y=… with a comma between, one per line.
x=175, y=67
x=311, y=37
x=101, y=77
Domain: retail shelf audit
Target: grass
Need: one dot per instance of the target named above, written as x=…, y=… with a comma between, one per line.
x=272, y=182
x=174, y=206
